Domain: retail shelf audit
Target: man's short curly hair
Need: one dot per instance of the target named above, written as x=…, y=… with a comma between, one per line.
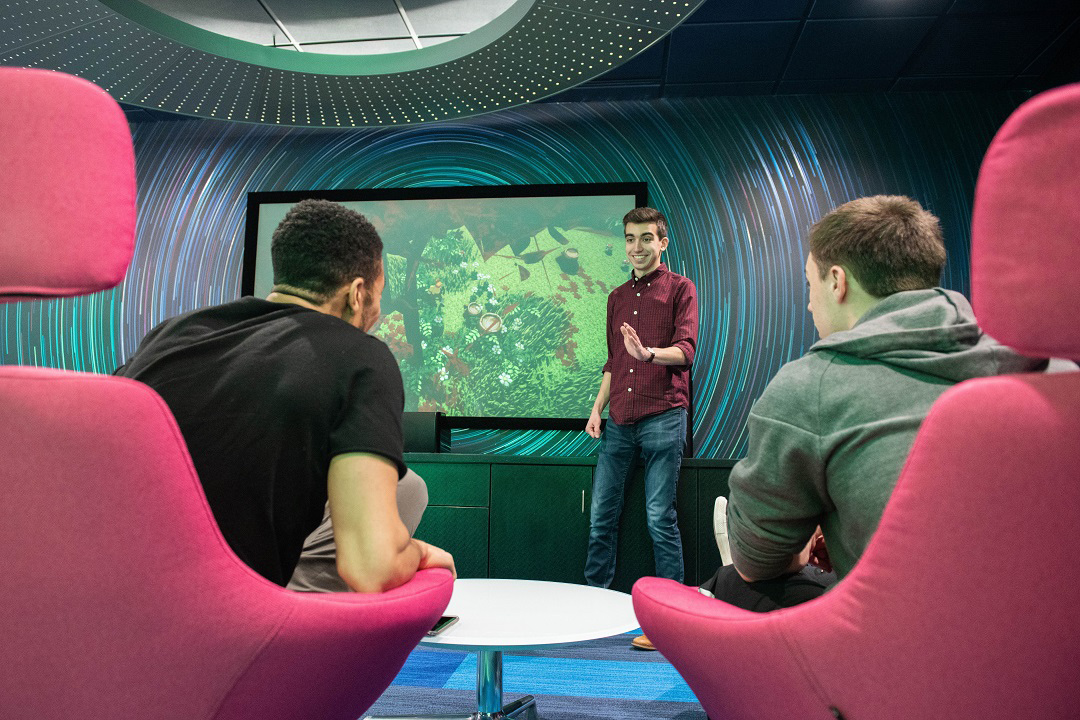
x=647, y=215
x=889, y=243
x=321, y=246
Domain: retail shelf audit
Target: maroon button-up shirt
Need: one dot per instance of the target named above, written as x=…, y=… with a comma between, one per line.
x=662, y=307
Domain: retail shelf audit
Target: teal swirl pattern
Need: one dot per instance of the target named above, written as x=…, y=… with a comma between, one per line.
x=740, y=179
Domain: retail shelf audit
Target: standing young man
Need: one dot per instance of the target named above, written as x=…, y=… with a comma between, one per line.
x=287, y=401
x=652, y=325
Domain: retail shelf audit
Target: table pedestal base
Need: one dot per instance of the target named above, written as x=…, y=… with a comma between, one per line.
x=488, y=696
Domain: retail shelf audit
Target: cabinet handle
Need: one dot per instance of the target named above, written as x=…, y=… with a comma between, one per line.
x=582, y=502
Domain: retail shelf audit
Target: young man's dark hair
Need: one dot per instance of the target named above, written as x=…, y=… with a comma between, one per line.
x=647, y=215
x=321, y=246
x=889, y=243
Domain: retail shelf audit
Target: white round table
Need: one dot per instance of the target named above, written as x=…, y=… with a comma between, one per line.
x=497, y=615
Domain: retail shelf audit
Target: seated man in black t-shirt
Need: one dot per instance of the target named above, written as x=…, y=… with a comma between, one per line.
x=287, y=402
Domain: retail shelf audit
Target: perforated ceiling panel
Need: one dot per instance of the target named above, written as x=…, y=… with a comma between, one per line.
x=535, y=49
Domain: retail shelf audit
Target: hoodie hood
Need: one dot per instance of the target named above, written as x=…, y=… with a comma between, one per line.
x=928, y=331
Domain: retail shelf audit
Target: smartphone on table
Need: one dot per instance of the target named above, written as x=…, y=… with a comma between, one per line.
x=441, y=624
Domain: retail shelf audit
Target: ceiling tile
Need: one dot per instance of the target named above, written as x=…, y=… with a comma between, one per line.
x=597, y=90
x=135, y=114
x=845, y=49
x=876, y=8
x=1011, y=7
x=729, y=52
x=949, y=83
x=727, y=47
x=712, y=89
x=242, y=19
x=22, y=29
x=832, y=85
x=363, y=47
x=984, y=45
x=749, y=10
x=333, y=20
x=458, y=17
x=429, y=40
x=1056, y=50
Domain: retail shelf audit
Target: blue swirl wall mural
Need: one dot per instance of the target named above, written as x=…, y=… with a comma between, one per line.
x=740, y=180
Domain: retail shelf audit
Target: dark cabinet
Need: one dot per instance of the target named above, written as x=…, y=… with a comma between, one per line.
x=528, y=518
x=539, y=521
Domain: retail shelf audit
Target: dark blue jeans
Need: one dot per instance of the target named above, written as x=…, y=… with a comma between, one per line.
x=660, y=439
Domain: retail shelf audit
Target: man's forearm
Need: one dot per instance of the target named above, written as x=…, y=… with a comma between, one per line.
x=774, y=501
x=374, y=549
x=669, y=356
x=754, y=557
x=754, y=571
x=794, y=563
x=603, y=395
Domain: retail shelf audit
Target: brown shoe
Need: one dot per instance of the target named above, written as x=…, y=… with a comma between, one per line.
x=642, y=643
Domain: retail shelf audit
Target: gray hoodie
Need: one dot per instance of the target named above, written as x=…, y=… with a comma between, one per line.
x=831, y=432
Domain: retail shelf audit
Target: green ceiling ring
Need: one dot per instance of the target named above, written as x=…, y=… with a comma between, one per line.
x=284, y=58
x=534, y=50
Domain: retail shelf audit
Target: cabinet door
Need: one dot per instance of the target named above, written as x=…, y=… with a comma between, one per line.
x=456, y=485
x=457, y=515
x=462, y=532
x=539, y=522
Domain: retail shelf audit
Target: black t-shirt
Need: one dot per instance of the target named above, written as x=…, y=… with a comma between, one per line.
x=265, y=395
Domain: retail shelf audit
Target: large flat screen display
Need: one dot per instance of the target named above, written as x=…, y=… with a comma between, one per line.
x=495, y=299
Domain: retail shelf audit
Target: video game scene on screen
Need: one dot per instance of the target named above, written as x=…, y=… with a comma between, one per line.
x=494, y=307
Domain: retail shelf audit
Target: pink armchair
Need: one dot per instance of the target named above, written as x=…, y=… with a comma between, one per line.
x=965, y=603
x=119, y=596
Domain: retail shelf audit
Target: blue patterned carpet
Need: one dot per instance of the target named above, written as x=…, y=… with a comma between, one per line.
x=601, y=679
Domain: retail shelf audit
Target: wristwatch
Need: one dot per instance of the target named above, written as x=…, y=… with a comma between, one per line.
x=652, y=354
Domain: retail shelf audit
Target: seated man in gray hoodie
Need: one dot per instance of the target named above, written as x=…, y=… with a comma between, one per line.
x=832, y=430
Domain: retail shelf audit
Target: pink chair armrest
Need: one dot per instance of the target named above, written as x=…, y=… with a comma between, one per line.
x=337, y=652
x=738, y=663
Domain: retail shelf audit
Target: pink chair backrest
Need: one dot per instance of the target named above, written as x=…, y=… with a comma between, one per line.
x=67, y=187
x=964, y=604
x=1025, y=248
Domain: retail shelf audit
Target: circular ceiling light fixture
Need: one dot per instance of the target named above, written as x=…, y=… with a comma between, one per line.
x=146, y=58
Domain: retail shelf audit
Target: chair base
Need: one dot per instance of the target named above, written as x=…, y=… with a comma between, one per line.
x=489, y=664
